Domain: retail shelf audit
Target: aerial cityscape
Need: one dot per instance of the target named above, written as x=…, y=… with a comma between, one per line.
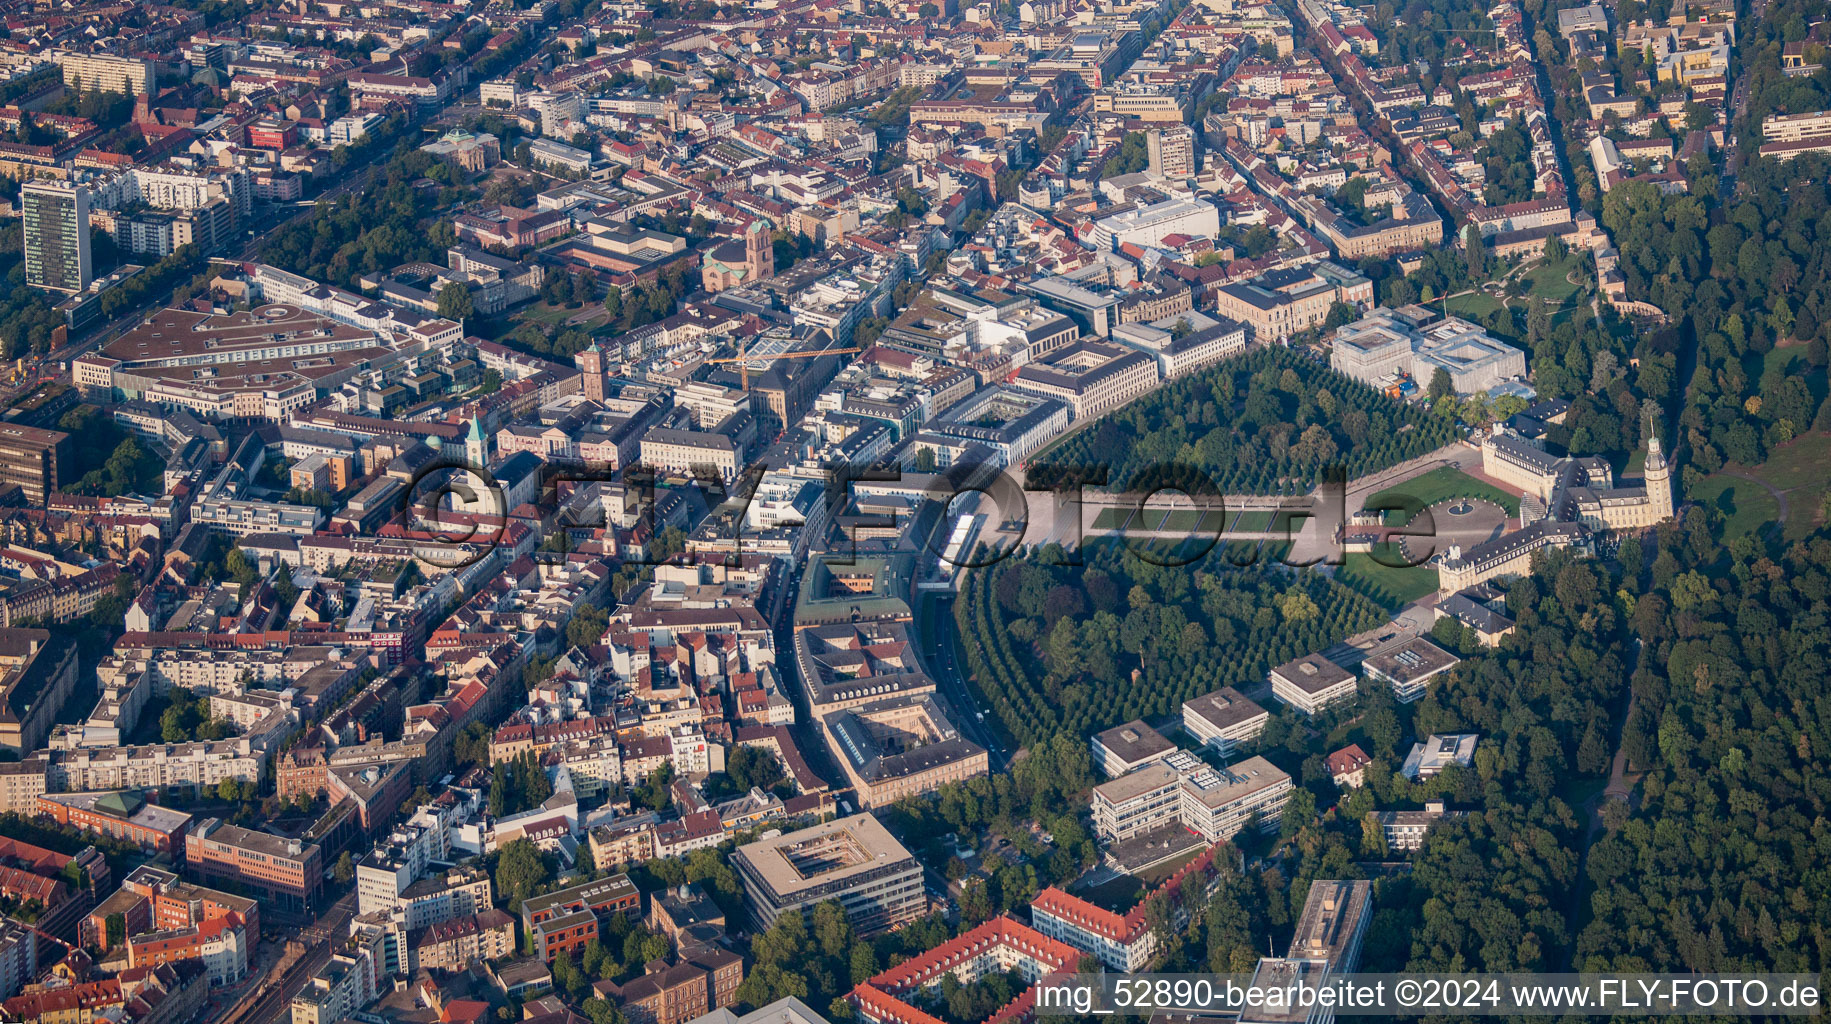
x=825, y=511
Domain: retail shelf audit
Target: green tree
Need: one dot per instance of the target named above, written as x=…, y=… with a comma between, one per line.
x=587, y=625
x=172, y=727
x=568, y=978
x=345, y=871
x=455, y=302
x=1475, y=253
x=472, y=745
x=242, y=569
x=521, y=870
x=1440, y=385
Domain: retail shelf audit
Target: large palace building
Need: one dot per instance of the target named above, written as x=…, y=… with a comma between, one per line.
x=1563, y=502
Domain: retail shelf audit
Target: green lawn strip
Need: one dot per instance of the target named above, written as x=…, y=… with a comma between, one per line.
x=1443, y=484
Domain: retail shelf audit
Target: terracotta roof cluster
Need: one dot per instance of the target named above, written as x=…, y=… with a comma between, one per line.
x=1122, y=928
x=881, y=996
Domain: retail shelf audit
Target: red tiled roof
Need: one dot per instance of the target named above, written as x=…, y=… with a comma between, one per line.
x=1348, y=759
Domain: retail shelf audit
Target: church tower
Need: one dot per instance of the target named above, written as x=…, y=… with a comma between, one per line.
x=477, y=444
x=591, y=363
x=1659, y=480
x=759, y=252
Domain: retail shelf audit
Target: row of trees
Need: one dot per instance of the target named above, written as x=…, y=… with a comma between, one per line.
x=1725, y=677
x=1491, y=890
x=1267, y=422
x=1072, y=649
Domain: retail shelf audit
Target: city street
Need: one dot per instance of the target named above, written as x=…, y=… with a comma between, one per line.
x=270, y=1001
x=937, y=618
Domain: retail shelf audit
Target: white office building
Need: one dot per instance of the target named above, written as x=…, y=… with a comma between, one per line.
x=1149, y=225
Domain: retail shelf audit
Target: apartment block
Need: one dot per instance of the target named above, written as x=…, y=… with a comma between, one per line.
x=676, y=993
x=31, y=459
x=1126, y=747
x=1180, y=789
x=567, y=919
x=221, y=944
x=1218, y=803
x=1405, y=830
x=101, y=72
x=455, y=944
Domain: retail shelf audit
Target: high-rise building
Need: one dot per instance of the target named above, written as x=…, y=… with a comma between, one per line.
x=1172, y=151
x=56, y=235
x=31, y=458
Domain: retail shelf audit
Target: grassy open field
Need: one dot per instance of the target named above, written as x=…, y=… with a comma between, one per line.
x=1389, y=586
x=1473, y=305
x=556, y=316
x=1746, y=506
x=1157, y=874
x=1441, y=484
x=1550, y=281
x=1795, y=469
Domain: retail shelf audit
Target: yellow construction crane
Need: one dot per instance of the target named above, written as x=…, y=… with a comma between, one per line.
x=743, y=359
